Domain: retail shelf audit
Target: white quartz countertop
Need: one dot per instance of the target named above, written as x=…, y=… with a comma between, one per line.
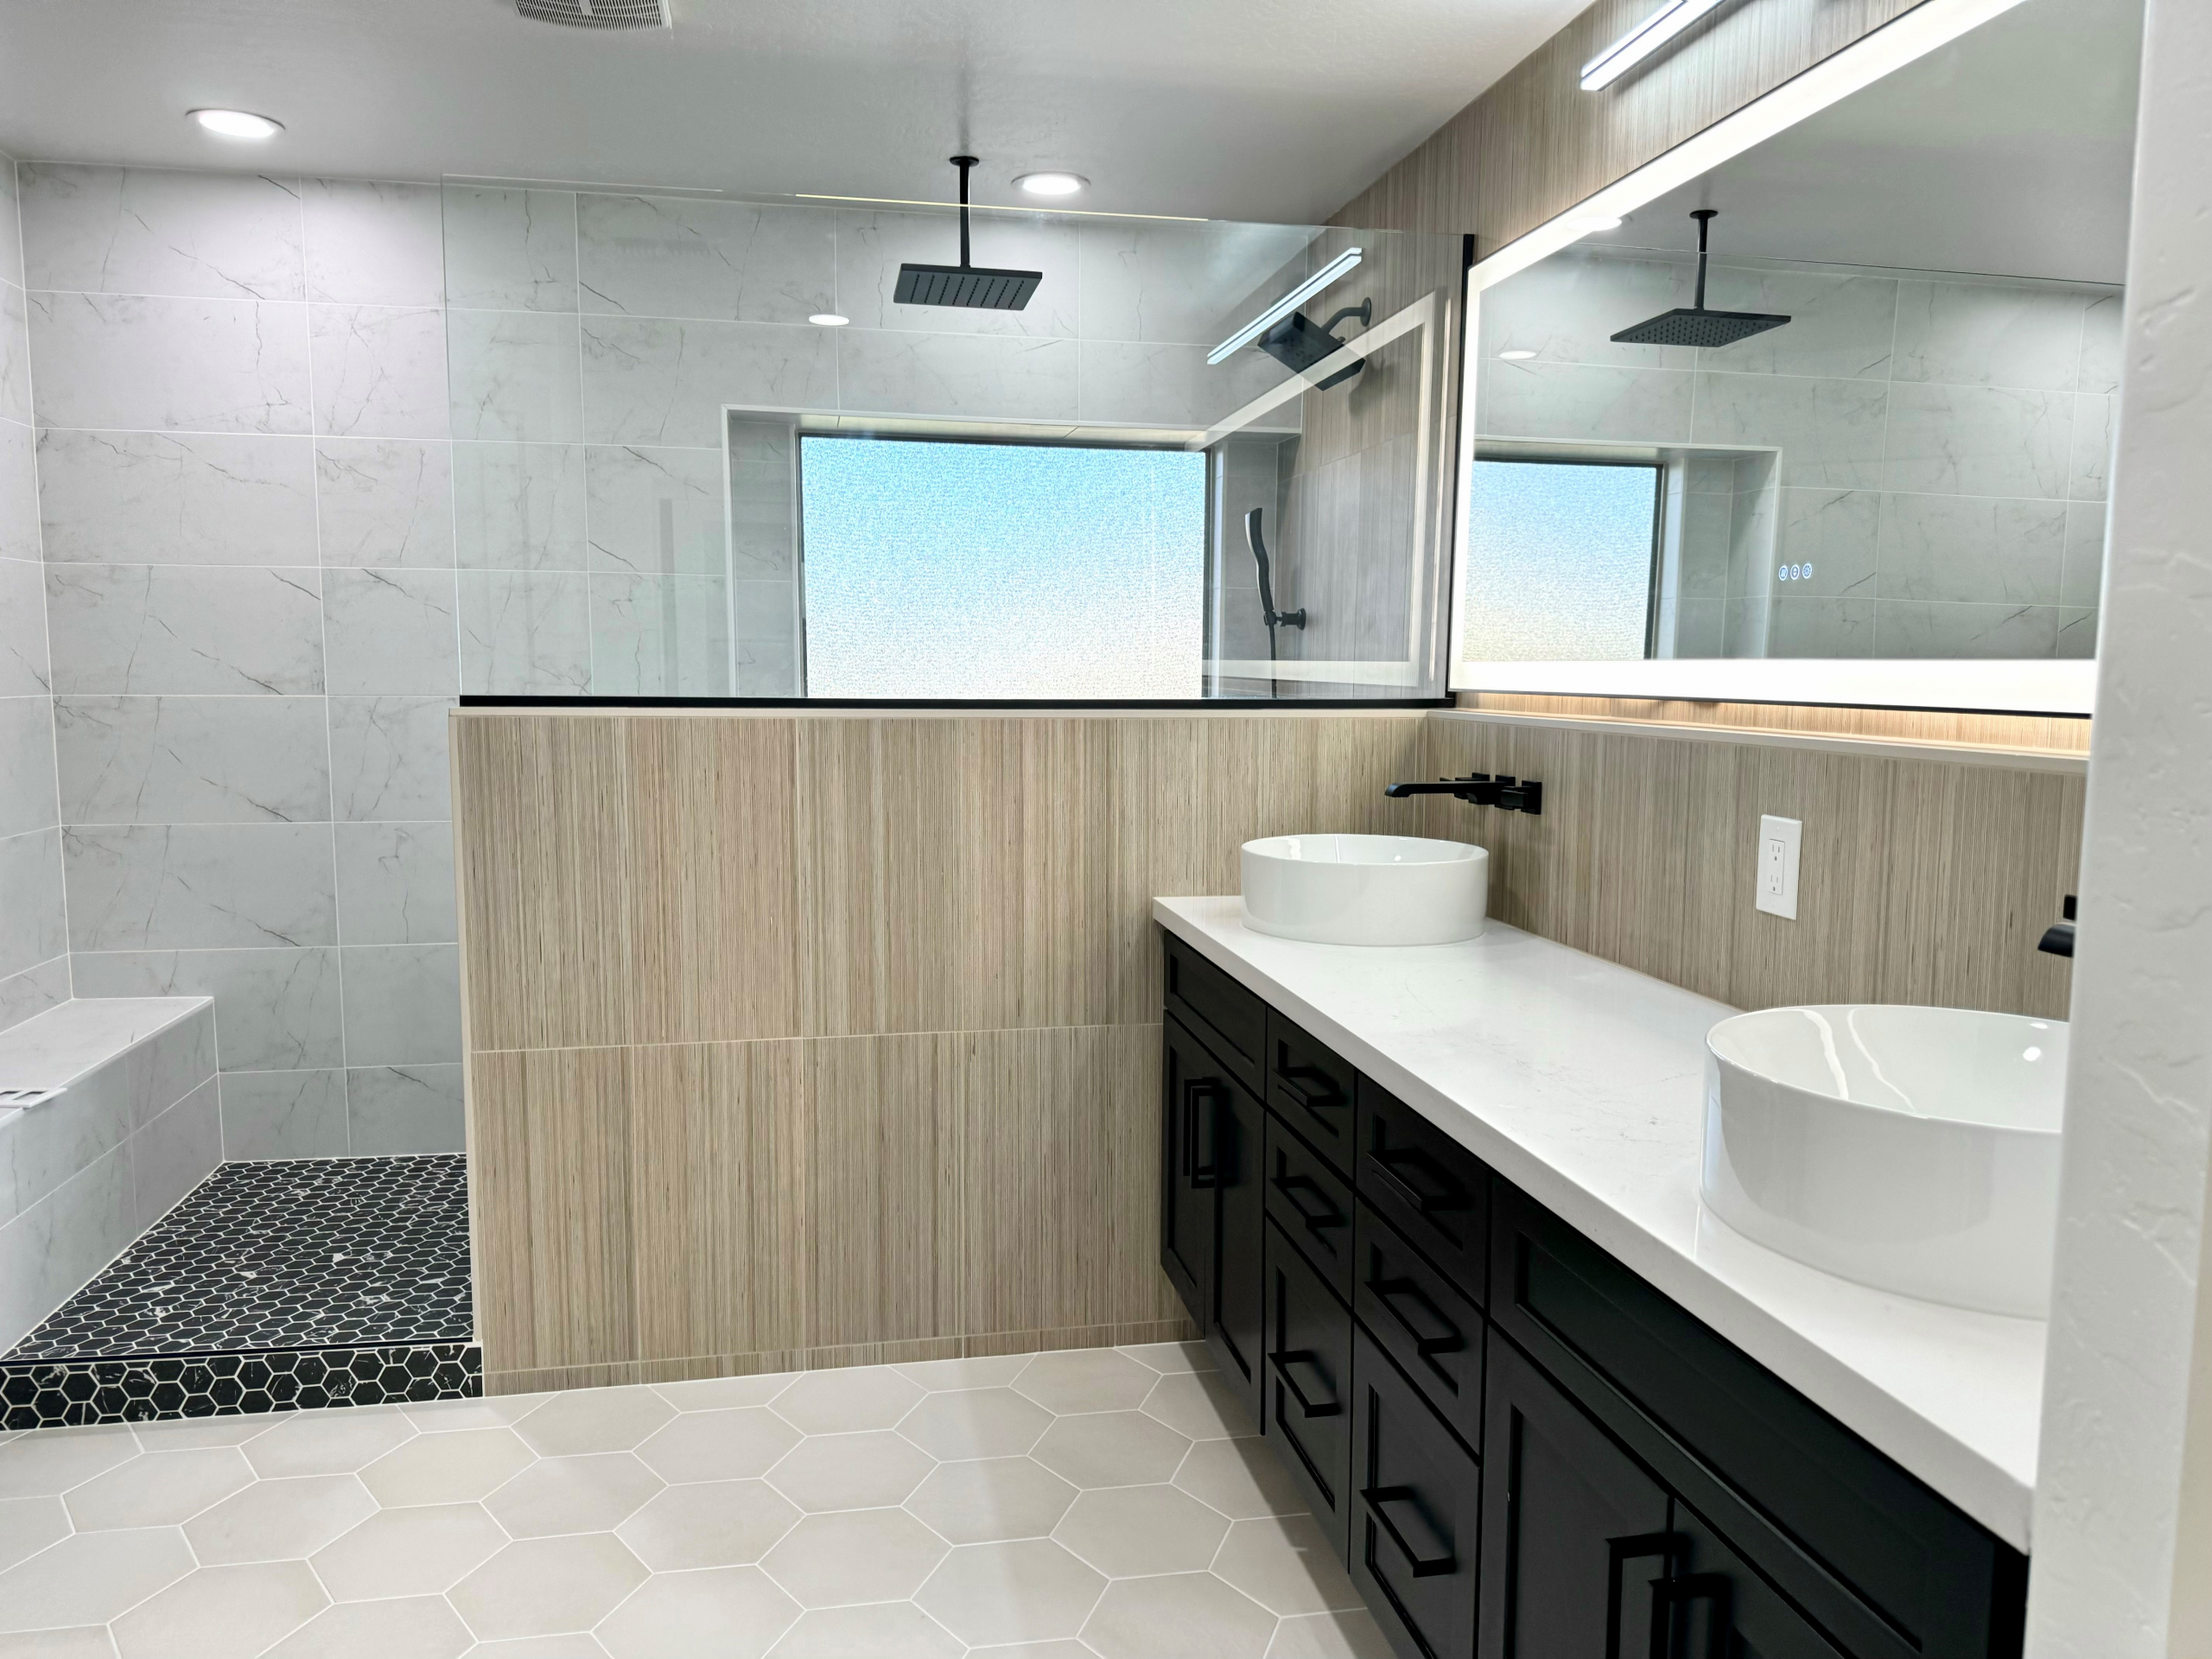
x=1582, y=1082
x=53, y=1049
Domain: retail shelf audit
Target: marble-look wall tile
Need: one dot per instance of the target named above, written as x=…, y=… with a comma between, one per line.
x=181, y=498
x=379, y=371
x=283, y=1115
x=120, y=361
x=897, y=372
x=2082, y=582
x=11, y=240
x=176, y=1152
x=34, y=991
x=127, y=230
x=44, y=1149
x=768, y=669
x=1829, y=432
x=2091, y=461
x=660, y=636
x=193, y=760
x=275, y=1009
x=152, y=629
x=1972, y=548
x=1701, y=547
x=19, y=527
x=2078, y=633
x=1118, y=382
x=525, y=632
x=31, y=918
x=1916, y=628
x=764, y=498
x=1836, y=531
x=514, y=375
x=385, y=504
x=388, y=760
x=510, y=249
x=373, y=243
x=1699, y=626
x=652, y=381
x=661, y=512
x=27, y=794
x=174, y=887
x=50, y=1251
x=1184, y=283
x=1567, y=309
x=1983, y=335
x=15, y=355
x=1951, y=440
x=519, y=507
x=871, y=246
x=23, y=669
x=1840, y=327
x=390, y=633
x=1557, y=400
x=396, y=884
x=764, y=609
x=2101, y=344
x=1819, y=628
x=394, y=1110
x=402, y=1004
x=729, y=260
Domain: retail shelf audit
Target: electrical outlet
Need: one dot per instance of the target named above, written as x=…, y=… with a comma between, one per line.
x=1779, y=839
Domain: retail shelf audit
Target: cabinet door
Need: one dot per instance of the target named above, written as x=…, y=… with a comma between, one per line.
x=1574, y=1529
x=1189, y=1080
x=1232, y=1139
x=1313, y=1089
x=1720, y=1608
x=1416, y=1510
x=1307, y=1393
x=1312, y=1204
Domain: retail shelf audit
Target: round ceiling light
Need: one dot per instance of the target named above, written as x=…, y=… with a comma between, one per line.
x=237, y=123
x=1051, y=184
x=828, y=319
x=1515, y=356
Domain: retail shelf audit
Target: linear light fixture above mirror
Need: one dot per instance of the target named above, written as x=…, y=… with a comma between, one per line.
x=1283, y=307
x=1640, y=42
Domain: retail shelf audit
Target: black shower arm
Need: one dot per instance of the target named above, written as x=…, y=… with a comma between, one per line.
x=1365, y=311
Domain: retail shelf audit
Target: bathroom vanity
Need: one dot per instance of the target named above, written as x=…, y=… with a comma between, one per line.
x=1434, y=1210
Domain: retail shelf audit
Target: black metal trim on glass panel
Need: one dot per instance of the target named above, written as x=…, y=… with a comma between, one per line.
x=951, y=705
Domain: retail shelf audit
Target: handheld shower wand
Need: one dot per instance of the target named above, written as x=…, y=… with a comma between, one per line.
x=1274, y=619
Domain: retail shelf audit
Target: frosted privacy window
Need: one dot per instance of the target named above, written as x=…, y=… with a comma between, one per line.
x=1001, y=571
x=1559, y=561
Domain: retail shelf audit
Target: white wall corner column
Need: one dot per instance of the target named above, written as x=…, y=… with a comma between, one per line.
x=2122, y=1563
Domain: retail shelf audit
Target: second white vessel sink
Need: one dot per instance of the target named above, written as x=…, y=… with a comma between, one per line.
x=1365, y=889
x=1912, y=1150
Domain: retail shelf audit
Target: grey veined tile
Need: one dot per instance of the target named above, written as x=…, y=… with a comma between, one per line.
x=1840, y=327
x=159, y=365
x=738, y=262
x=1829, y=431
x=1979, y=441
x=156, y=629
x=127, y=230
x=660, y=636
x=403, y=1003
x=379, y=371
x=1179, y=281
x=186, y=498
x=386, y=503
x=283, y=1115
x=652, y=381
x=388, y=760
x=276, y=1008
x=1972, y=548
x=658, y=511
x=889, y=372
x=513, y=376
x=1988, y=334
x=1556, y=400
x=1913, y=628
x=510, y=249
x=180, y=885
x=23, y=670
x=15, y=355
x=27, y=801
x=396, y=883
x=373, y=243
x=525, y=632
x=519, y=507
x=185, y=760
x=19, y=527
x=394, y=1110
x=389, y=632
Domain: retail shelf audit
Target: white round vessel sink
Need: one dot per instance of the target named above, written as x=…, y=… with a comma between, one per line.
x=1912, y=1150
x=1365, y=889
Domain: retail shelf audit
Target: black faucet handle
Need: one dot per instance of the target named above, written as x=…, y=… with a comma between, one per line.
x=2067, y=909
x=1527, y=795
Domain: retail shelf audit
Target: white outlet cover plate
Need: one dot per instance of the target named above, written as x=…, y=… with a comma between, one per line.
x=1776, y=878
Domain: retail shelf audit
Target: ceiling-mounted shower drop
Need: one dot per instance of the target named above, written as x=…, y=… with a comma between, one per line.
x=965, y=286
x=1692, y=325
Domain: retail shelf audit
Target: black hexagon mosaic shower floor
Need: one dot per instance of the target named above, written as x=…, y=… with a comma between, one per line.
x=271, y=1286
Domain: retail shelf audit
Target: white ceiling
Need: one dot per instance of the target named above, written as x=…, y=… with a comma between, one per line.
x=1275, y=110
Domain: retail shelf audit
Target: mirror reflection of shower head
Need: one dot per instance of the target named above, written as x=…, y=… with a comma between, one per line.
x=964, y=286
x=1298, y=345
x=1694, y=325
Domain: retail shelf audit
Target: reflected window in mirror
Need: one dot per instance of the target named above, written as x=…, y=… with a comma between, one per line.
x=1562, y=561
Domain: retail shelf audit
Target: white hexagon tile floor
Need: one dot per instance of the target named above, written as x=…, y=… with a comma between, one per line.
x=1104, y=1501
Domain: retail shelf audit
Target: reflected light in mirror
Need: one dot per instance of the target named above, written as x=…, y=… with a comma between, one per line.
x=237, y=123
x=1051, y=184
x=1515, y=356
x=828, y=319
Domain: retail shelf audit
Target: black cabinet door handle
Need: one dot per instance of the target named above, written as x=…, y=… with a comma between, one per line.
x=1433, y=1333
x=1428, y=1204
x=1379, y=1500
x=1280, y=1364
x=1317, y=1221
x=1669, y=1597
x=1293, y=1078
x=1204, y=1173
x=1669, y=1547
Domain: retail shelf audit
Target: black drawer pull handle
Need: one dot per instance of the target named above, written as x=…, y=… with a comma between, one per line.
x=1670, y=1596
x=1281, y=1363
x=1207, y=1175
x=1378, y=1500
x=1428, y=1204
x=1317, y=1221
x=1293, y=1078
x=1669, y=1547
x=1441, y=1335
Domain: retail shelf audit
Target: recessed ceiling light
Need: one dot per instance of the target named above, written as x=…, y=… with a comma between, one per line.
x=237, y=123
x=1591, y=223
x=1051, y=184
x=1516, y=357
x=828, y=319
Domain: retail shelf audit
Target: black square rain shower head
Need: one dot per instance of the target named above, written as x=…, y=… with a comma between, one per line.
x=965, y=286
x=1692, y=325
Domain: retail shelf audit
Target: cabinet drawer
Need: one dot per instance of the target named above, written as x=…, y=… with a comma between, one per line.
x=1232, y=1021
x=1434, y=1333
x=1312, y=1204
x=1306, y=1388
x=1313, y=1089
x=1885, y=1565
x=1416, y=1495
x=1431, y=1188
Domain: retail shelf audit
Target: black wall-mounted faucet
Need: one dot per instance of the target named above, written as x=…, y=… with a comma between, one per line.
x=1505, y=791
x=2058, y=939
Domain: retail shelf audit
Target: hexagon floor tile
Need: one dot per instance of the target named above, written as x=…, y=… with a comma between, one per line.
x=1078, y=1505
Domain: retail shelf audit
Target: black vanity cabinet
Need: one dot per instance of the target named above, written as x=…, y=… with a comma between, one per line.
x=1522, y=1448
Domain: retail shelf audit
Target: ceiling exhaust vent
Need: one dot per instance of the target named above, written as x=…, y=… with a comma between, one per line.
x=598, y=14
